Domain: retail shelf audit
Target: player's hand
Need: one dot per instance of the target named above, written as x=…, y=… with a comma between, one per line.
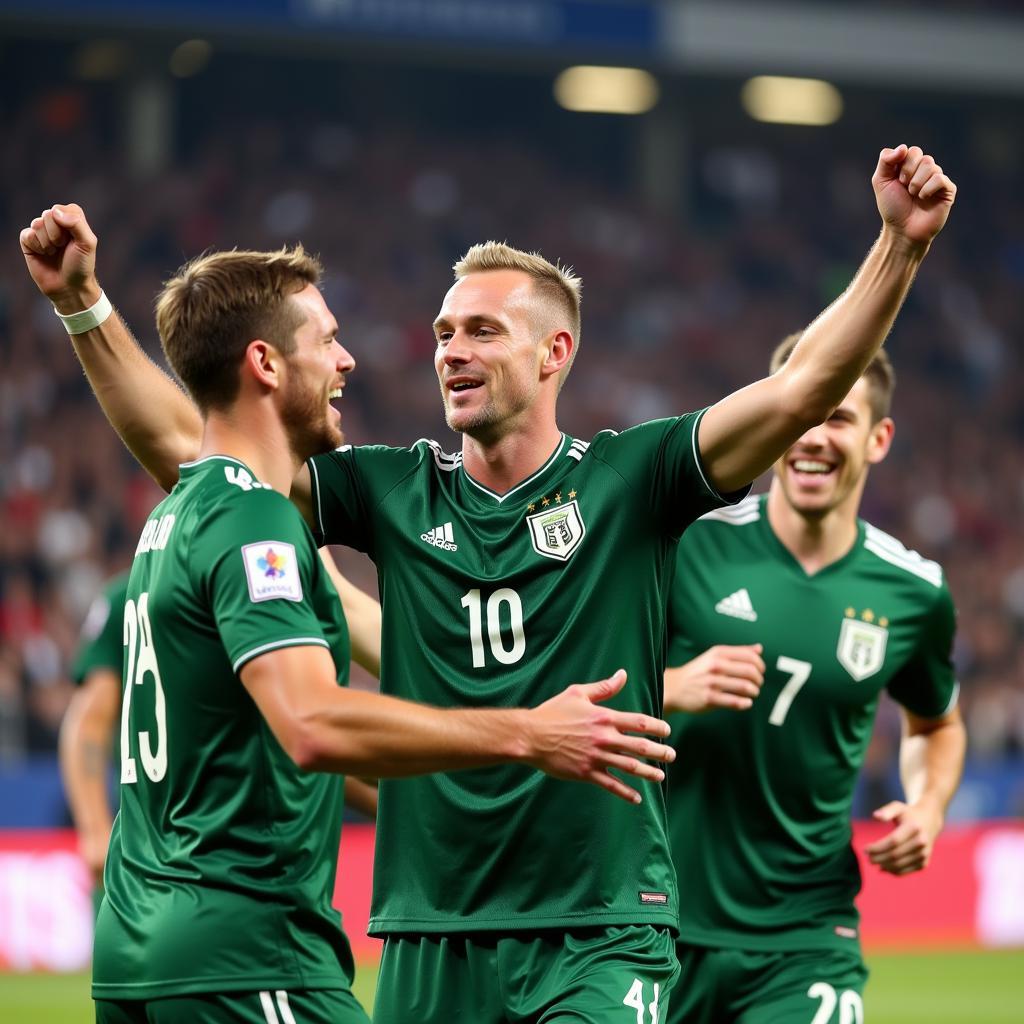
x=573, y=737
x=92, y=848
x=60, y=252
x=908, y=847
x=914, y=197
x=722, y=677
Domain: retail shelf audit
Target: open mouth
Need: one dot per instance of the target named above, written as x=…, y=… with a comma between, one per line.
x=460, y=385
x=812, y=471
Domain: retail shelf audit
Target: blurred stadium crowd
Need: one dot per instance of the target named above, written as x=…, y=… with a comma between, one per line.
x=675, y=314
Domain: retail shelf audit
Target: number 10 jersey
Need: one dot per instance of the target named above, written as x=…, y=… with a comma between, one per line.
x=504, y=600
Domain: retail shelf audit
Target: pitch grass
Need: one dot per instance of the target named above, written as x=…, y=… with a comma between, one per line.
x=969, y=987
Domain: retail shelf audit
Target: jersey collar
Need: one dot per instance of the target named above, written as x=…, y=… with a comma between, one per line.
x=480, y=491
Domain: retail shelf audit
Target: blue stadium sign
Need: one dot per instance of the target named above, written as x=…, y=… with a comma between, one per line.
x=610, y=26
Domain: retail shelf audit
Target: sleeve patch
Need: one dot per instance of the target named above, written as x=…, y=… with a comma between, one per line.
x=272, y=571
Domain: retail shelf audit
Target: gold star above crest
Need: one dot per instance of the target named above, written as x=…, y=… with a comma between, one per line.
x=883, y=622
x=545, y=502
x=868, y=615
x=558, y=498
x=530, y=507
x=850, y=613
x=572, y=494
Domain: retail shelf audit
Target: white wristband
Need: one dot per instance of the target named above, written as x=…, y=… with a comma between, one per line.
x=88, y=319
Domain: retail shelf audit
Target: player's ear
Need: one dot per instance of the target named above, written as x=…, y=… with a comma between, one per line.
x=880, y=440
x=262, y=363
x=557, y=351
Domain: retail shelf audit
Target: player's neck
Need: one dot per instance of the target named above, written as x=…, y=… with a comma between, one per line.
x=502, y=463
x=262, y=445
x=814, y=541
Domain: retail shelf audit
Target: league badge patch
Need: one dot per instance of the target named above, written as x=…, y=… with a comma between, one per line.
x=271, y=570
x=557, y=532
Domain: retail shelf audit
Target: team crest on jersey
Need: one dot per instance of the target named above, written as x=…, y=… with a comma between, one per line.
x=557, y=532
x=861, y=648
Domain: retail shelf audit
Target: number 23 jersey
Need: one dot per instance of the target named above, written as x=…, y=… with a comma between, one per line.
x=501, y=601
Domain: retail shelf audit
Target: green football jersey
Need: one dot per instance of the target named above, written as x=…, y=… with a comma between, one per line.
x=100, y=645
x=503, y=600
x=223, y=856
x=759, y=800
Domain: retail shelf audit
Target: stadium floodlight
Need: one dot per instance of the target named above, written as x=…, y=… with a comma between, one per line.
x=190, y=58
x=600, y=90
x=778, y=100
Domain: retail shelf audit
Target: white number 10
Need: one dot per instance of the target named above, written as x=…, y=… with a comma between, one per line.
x=501, y=653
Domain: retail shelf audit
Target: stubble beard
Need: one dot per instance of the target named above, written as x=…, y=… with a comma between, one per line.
x=489, y=422
x=306, y=423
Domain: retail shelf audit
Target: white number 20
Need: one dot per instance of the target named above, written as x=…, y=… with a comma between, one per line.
x=140, y=661
x=851, y=1009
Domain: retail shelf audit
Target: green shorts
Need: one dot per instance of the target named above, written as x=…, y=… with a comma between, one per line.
x=300, y=1006
x=740, y=986
x=619, y=975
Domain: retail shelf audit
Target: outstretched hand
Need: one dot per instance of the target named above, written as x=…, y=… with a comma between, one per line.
x=577, y=739
x=914, y=196
x=908, y=847
x=724, y=676
x=60, y=252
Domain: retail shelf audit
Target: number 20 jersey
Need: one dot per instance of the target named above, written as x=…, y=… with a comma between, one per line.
x=504, y=600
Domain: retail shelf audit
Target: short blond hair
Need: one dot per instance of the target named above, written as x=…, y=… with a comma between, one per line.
x=216, y=304
x=552, y=282
x=881, y=377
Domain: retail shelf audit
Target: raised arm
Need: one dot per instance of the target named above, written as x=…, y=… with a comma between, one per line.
x=324, y=727
x=362, y=613
x=154, y=417
x=931, y=763
x=746, y=432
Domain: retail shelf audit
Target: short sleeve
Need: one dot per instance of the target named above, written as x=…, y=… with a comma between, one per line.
x=256, y=561
x=101, y=644
x=666, y=453
x=926, y=685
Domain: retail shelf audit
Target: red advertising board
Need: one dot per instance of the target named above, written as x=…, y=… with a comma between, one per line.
x=971, y=894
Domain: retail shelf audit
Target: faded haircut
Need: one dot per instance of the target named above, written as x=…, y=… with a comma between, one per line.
x=880, y=375
x=556, y=285
x=216, y=304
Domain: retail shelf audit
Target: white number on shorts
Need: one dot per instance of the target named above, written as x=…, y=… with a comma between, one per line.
x=501, y=653
x=140, y=660
x=851, y=1009
x=635, y=999
x=799, y=671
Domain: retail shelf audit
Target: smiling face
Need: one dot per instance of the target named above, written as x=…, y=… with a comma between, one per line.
x=316, y=371
x=827, y=467
x=491, y=352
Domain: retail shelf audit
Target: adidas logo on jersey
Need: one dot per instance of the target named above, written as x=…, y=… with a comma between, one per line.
x=441, y=537
x=738, y=606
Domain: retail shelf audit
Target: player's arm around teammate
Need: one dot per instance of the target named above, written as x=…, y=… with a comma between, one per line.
x=319, y=725
x=746, y=432
x=724, y=676
x=931, y=762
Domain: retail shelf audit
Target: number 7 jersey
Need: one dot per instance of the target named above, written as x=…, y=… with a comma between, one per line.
x=504, y=600
x=759, y=800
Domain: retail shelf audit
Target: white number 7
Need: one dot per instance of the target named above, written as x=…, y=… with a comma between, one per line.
x=799, y=671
